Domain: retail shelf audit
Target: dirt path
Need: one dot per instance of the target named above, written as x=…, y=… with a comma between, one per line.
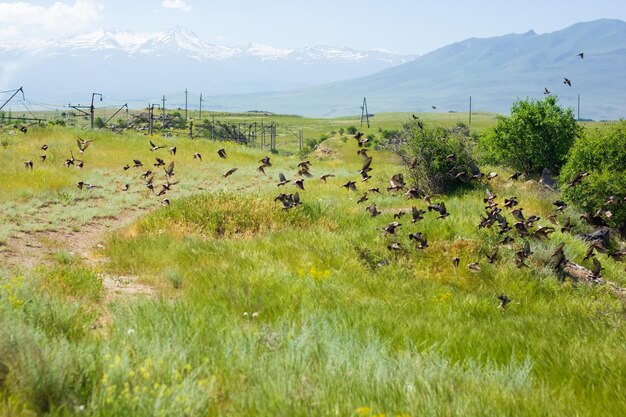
x=28, y=250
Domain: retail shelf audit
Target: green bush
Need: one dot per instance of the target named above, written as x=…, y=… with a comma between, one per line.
x=352, y=130
x=538, y=134
x=435, y=169
x=99, y=122
x=602, y=153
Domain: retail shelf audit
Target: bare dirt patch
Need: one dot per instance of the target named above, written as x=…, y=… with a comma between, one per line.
x=124, y=285
x=30, y=249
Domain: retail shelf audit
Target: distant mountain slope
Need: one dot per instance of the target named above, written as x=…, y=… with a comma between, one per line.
x=127, y=66
x=494, y=71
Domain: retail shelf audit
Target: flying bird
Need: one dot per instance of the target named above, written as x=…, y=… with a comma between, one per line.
x=504, y=301
x=350, y=185
x=373, y=210
x=282, y=179
x=82, y=144
x=230, y=172
x=299, y=183
x=391, y=227
x=474, y=267
x=416, y=214
x=265, y=161
x=578, y=178
x=154, y=147
x=567, y=81
x=169, y=171
x=396, y=183
x=493, y=255
x=222, y=153
x=422, y=241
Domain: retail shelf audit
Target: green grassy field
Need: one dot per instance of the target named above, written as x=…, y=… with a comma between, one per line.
x=225, y=304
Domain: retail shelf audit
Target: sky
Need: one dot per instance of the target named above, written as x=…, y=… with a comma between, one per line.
x=402, y=26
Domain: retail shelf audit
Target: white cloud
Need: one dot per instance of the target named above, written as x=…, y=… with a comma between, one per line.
x=176, y=4
x=26, y=19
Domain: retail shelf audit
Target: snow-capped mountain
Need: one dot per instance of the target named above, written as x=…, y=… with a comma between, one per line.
x=183, y=41
x=131, y=66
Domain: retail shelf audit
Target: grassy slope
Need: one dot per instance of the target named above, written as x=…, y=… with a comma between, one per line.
x=335, y=333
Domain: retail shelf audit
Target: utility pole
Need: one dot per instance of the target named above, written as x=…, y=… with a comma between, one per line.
x=92, y=108
x=201, y=106
x=578, y=107
x=186, y=92
x=151, y=116
x=163, y=100
x=470, y=111
x=365, y=116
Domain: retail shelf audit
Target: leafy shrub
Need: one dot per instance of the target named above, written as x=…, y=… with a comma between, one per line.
x=538, y=134
x=433, y=145
x=390, y=134
x=56, y=122
x=121, y=123
x=602, y=153
x=99, y=122
x=352, y=130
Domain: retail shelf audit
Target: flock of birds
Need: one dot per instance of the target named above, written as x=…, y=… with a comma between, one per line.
x=148, y=176
x=506, y=216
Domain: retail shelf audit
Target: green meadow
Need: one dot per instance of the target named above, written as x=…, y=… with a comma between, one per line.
x=221, y=303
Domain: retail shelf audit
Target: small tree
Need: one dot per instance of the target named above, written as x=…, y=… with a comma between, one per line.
x=439, y=153
x=601, y=153
x=538, y=134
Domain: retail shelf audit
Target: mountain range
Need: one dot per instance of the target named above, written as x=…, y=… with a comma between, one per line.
x=493, y=71
x=325, y=81
x=129, y=66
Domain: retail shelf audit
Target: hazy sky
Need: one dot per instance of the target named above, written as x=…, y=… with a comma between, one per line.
x=405, y=26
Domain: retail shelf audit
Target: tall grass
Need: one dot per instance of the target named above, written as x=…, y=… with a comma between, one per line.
x=262, y=311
